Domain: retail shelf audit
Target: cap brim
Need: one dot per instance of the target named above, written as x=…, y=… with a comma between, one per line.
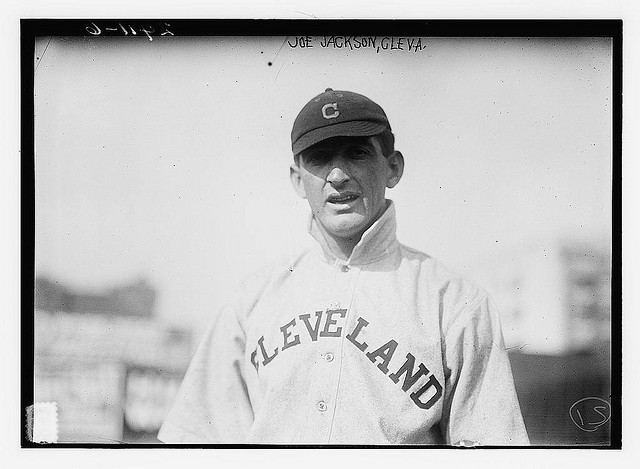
x=342, y=129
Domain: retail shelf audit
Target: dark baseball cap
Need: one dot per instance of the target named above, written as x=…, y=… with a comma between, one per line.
x=336, y=114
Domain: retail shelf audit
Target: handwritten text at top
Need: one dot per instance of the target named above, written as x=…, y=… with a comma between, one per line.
x=377, y=43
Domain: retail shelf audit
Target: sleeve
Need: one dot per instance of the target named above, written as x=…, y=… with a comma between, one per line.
x=481, y=406
x=212, y=404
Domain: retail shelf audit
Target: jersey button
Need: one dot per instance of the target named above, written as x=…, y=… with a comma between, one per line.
x=328, y=356
x=345, y=268
x=322, y=406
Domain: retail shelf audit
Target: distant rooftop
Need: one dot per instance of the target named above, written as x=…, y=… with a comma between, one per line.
x=133, y=299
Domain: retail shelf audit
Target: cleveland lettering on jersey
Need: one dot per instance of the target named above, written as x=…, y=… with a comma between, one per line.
x=424, y=395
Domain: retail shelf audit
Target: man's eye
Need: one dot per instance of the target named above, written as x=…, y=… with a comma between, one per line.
x=316, y=159
x=359, y=153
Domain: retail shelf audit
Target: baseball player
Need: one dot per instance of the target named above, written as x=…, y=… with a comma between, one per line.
x=360, y=340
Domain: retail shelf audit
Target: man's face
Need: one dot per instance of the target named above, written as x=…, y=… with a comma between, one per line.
x=344, y=179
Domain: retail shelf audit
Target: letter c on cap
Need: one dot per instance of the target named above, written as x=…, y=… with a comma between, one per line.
x=332, y=115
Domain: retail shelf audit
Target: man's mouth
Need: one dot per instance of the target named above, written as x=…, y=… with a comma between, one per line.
x=342, y=198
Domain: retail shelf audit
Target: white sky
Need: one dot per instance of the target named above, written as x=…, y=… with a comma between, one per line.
x=169, y=159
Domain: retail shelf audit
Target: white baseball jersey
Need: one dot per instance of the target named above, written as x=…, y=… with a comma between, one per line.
x=387, y=347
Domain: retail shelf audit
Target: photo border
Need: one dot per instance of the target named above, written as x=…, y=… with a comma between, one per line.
x=32, y=28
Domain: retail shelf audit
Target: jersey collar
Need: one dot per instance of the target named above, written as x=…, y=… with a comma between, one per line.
x=377, y=242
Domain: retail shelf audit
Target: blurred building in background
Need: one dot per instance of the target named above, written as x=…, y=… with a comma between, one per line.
x=555, y=307
x=554, y=299
x=111, y=367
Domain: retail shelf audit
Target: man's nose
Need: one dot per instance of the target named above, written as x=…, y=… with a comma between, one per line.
x=337, y=176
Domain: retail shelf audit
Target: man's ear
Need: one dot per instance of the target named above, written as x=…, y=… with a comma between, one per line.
x=396, y=167
x=296, y=180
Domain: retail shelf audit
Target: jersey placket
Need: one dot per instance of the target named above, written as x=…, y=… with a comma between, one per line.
x=328, y=363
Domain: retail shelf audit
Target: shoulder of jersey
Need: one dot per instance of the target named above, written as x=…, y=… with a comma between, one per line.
x=456, y=293
x=250, y=288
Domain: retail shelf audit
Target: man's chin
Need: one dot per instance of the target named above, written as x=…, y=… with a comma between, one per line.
x=347, y=226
